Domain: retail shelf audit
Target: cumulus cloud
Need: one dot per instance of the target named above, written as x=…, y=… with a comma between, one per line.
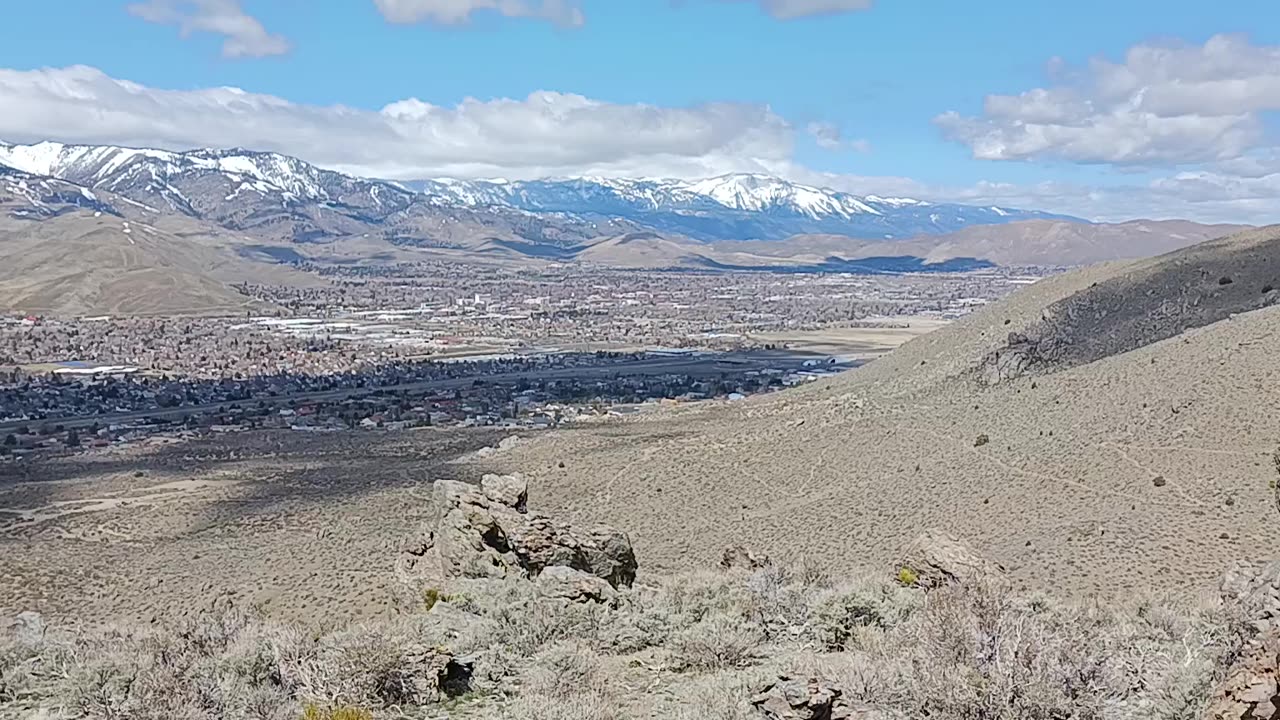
x=244, y=35
x=1181, y=104
x=545, y=134
x=550, y=134
x=455, y=12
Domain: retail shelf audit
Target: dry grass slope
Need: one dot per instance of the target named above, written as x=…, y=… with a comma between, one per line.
x=1064, y=492
x=79, y=264
x=696, y=645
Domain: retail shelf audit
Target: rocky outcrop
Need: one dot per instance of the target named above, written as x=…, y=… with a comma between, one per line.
x=565, y=583
x=1251, y=689
x=935, y=559
x=1020, y=356
x=738, y=557
x=790, y=698
x=487, y=532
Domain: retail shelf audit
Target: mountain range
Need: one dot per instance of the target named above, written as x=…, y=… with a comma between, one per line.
x=729, y=207
x=224, y=216
x=298, y=202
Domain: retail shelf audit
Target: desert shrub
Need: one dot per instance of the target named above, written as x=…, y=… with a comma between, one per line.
x=690, y=597
x=982, y=652
x=528, y=626
x=715, y=642
x=811, y=573
x=580, y=706
x=26, y=669
x=565, y=681
x=841, y=615
x=311, y=711
x=563, y=668
x=777, y=601
x=219, y=665
x=370, y=665
x=642, y=620
x=724, y=696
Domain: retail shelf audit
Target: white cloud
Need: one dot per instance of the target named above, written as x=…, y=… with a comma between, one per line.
x=454, y=12
x=545, y=134
x=551, y=134
x=1163, y=105
x=792, y=9
x=828, y=137
x=244, y=35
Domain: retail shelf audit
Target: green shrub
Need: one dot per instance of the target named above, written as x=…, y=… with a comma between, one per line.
x=907, y=576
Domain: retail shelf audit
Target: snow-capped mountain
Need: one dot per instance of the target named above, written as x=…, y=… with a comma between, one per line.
x=287, y=198
x=730, y=207
x=275, y=197
x=35, y=197
x=203, y=181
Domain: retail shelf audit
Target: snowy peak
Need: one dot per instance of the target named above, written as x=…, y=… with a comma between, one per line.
x=763, y=192
x=65, y=161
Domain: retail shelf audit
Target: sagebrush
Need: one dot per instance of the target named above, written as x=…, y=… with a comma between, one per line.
x=693, y=645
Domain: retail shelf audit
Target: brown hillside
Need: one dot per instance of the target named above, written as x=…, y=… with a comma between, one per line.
x=78, y=264
x=1145, y=469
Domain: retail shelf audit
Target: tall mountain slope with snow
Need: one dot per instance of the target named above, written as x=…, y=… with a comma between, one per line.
x=281, y=198
x=289, y=199
x=37, y=197
x=730, y=207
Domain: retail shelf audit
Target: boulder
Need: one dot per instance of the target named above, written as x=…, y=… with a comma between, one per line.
x=738, y=557
x=486, y=531
x=541, y=542
x=935, y=559
x=609, y=555
x=790, y=698
x=1251, y=688
x=431, y=675
x=565, y=583
x=507, y=490
x=28, y=628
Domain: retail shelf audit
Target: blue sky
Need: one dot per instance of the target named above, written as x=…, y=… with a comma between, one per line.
x=882, y=77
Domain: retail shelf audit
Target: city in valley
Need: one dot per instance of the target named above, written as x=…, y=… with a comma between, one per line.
x=439, y=345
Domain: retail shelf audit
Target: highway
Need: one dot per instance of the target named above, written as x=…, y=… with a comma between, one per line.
x=702, y=365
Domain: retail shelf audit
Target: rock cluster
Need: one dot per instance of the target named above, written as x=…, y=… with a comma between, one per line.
x=1251, y=689
x=790, y=698
x=738, y=557
x=935, y=559
x=1020, y=356
x=488, y=532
